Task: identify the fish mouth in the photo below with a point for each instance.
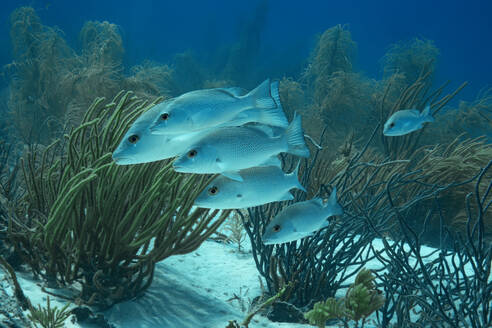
(122, 160)
(178, 168)
(200, 204)
(267, 240)
(390, 134)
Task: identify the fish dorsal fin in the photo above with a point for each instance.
(235, 91)
(319, 201)
(223, 91)
(426, 114)
(332, 203)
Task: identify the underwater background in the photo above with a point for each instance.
(285, 32)
(105, 239)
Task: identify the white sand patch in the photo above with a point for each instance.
(199, 289)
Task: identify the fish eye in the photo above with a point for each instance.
(213, 191)
(276, 228)
(392, 124)
(239, 195)
(133, 139)
(164, 116)
(192, 153)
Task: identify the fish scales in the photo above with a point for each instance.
(261, 185)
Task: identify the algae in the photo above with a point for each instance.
(361, 299)
(411, 58)
(51, 85)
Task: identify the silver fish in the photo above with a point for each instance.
(260, 185)
(407, 120)
(210, 108)
(228, 150)
(301, 219)
(140, 146)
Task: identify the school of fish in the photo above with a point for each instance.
(238, 135)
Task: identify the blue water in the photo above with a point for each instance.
(157, 30)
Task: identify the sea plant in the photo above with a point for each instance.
(334, 52)
(321, 264)
(11, 193)
(292, 96)
(411, 58)
(101, 225)
(267, 303)
(471, 117)
(234, 226)
(361, 300)
(337, 93)
(49, 317)
(42, 57)
(318, 266)
(51, 85)
(442, 287)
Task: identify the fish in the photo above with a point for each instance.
(301, 219)
(231, 149)
(260, 185)
(405, 121)
(220, 107)
(139, 146)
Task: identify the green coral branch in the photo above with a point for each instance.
(103, 225)
(361, 300)
(49, 317)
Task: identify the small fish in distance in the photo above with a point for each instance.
(140, 146)
(407, 120)
(231, 149)
(260, 185)
(301, 219)
(210, 108)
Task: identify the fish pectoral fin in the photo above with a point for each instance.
(267, 130)
(233, 175)
(287, 196)
(220, 164)
(241, 119)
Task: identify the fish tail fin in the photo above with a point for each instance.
(261, 96)
(294, 176)
(275, 94)
(427, 115)
(294, 134)
(332, 203)
(274, 116)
